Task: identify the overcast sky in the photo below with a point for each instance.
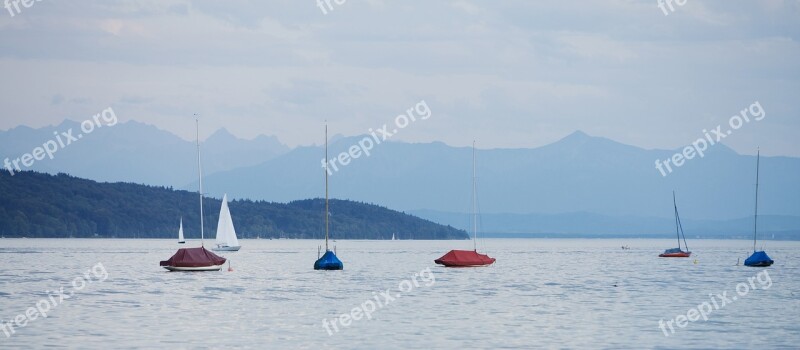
(507, 73)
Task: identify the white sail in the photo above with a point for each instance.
(226, 234)
(180, 233)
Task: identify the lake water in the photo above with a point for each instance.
(541, 293)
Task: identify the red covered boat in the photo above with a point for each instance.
(200, 258)
(194, 259)
(464, 258)
(468, 258)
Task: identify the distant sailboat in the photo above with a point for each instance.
(677, 252)
(226, 234)
(328, 261)
(759, 258)
(468, 258)
(393, 237)
(200, 258)
(180, 234)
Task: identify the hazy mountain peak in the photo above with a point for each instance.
(336, 138)
(19, 128)
(223, 134)
(123, 152)
(579, 138)
(578, 134)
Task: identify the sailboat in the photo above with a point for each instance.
(393, 237)
(759, 258)
(328, 261)
(180, 234)
(468, 258)
(226, 234)
(200, 258)
(677, 252)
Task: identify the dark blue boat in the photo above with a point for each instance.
(759, 258)
(328, 261)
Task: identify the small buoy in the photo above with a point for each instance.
(695, 261)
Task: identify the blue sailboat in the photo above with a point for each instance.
(759, 258)
(329, 260)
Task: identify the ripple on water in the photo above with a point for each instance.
(274, 298)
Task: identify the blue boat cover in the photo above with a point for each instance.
(673, 250)
(758, 259)
(328, 261)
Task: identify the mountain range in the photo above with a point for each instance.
(543, 189)
(138, 153)
(578, 174)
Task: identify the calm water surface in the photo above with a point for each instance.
(541, 293)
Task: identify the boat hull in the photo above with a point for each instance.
(227, 248)
(445, 264)
(193, 269)
(675, 255)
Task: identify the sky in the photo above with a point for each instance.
(509, 74)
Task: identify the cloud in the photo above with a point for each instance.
(512, 73)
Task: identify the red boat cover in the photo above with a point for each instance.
(464, 258)
(194, 257)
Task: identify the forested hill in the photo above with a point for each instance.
(41, 205)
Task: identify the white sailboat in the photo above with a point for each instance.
(226, 234)
(393, 237)
(180, 234)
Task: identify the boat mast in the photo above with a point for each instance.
(200, 174)
(755, 222)
(677, 223)
(474, 205)
(327, 213)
